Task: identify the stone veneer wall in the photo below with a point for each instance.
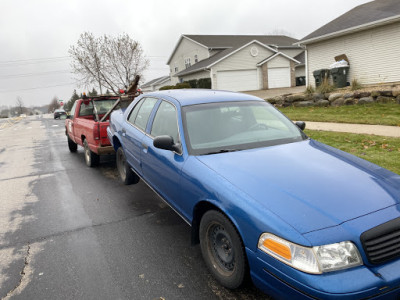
(336, 98)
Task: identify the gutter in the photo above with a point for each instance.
(354, 29)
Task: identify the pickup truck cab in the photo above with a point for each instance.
(83, 127)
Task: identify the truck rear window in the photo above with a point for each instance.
(102, 106)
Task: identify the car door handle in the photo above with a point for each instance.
(145, 147)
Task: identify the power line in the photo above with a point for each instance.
(39, 87)
(33, 74)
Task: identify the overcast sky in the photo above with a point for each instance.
(35, 35)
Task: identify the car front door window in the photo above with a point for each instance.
(165, 122)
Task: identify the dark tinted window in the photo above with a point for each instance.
(165, 122)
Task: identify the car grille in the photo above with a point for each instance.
(382, 243)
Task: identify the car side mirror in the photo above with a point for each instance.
(301, 125)
(166, 142)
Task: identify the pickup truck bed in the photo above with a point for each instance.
(83, 127)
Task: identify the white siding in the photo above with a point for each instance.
(374, 54)
(158, 86)
(241, 60)
(186, 49)
(279, 62)
(300, 71)
(198, 75)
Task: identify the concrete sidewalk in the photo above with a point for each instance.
(392, 131)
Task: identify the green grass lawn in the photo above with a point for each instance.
(375, 113)
(380, 150)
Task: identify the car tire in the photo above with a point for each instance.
(91, 158)
(223, 250)
(73, 147)
(125, 172)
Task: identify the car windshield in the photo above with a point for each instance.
(231, 126)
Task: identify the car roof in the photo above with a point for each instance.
(200, 96)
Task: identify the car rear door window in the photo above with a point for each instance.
(166, 122)
(143, 113)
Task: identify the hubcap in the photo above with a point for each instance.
(221, 246)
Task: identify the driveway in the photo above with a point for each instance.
(264, 94)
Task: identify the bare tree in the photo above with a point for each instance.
(108, 62)
(54, 104)
(19, 104)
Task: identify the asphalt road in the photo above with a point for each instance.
(72, 232)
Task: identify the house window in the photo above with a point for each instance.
(187, 63)
(196, 59)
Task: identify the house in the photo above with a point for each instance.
(236, 62)
(368, 35)
(155, 84)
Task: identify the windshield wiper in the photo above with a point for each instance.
(222, 151)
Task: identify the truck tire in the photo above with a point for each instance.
(125, 172)
(91, 158)
(71, 145)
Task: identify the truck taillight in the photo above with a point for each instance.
(96, 132)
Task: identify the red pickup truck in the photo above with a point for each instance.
(83, 127)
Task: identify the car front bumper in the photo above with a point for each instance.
(284, 282)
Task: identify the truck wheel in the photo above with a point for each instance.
(222, 249)
(125, 173)
(91, 158)
(71, 145)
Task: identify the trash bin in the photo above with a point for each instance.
(301, 80)
(339, 76)
(320, 75)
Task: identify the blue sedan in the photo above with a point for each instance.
(302, 219)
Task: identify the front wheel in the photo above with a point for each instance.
(125, 173)
(91, 158)
(72, 145)
(222, 249)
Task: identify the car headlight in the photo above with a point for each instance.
(314, 260)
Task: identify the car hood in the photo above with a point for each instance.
(308, 184)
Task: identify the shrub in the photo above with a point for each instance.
(325, 87)
(183, 85)
(167, 87)
(204, 83)
(355, 85)
(192, 83)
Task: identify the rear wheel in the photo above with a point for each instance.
(222, 249)
(125, 173)
(71, 145)
(91, 158)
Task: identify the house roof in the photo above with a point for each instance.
(155, 81)
(301, 58)
(209, 62)
(275, 55)
(361, 17)
(233, 41)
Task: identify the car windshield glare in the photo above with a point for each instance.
(231, 126)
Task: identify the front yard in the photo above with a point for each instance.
(374, 113)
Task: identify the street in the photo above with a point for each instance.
(72, 232)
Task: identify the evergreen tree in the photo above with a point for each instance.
(70, 103)
(93, 93)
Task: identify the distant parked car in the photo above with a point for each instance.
(59, 113)
(303, 219)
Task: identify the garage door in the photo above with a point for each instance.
(278, 77)
(244, 80)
